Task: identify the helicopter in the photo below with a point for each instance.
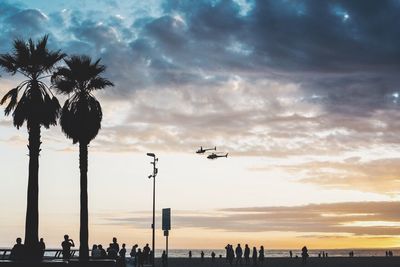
(214, 156)
(202, 150)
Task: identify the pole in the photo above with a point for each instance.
(166, 247)
(153, 225)
(154, 208)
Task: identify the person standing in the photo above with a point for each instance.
(133, 254)
(254, 256)
(115, 245)
(146, 253)
(246, 254)
(66, 247)
(304, 254)
(140, 258)
(213, 256)
(261, 254)
(202, 256)
(190, 254)
(164, 259)
(239, 254)
(122, 256)
(231, 254)
(42, 247)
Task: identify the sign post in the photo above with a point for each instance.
(166, 226)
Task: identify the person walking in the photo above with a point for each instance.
(239, 254)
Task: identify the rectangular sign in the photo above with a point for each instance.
(166, 219)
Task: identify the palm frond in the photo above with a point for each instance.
(13, 96)
(8, 63)
(98, 83)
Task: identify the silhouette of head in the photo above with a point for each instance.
(66, 237)
(41, 240)
(123, 245)
(19, 240)
(100, 247)
(114, 239)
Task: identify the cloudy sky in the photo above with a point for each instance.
(304, 95)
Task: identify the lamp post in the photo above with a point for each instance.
(153, 226)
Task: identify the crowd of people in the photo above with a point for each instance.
(244, 255)
(139, 256)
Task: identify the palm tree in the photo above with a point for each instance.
(33, 102)
(81, 121)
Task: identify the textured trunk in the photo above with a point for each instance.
(32, 211)
(84, 227)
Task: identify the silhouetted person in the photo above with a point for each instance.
(227, 253)
(140, 257)
(291, 254)
(164, 259)
(122, 256)
(254, 256)
(111, 252)
(261, 254)
(202, 255)
(133, 254)
(115, 245)
(246, 254)
(66, 247)
(231, 254)
(304, 254)
(146, 253)
(96, 253)
(239, 254)
(213, 256)
(190, 254)
(42, 247)
(103, 253)
(18, 251)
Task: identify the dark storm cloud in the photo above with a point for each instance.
(339, 218)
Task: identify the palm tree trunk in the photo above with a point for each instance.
(84, 227)
(32, 211)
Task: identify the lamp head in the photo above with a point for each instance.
(151, 155)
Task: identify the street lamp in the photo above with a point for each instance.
(153, 226)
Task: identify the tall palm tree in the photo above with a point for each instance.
(33, 102)
(81, 121)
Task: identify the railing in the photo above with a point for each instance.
(48, 253)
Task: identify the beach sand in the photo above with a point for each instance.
(287, 262)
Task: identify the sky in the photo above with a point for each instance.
(303, 95)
